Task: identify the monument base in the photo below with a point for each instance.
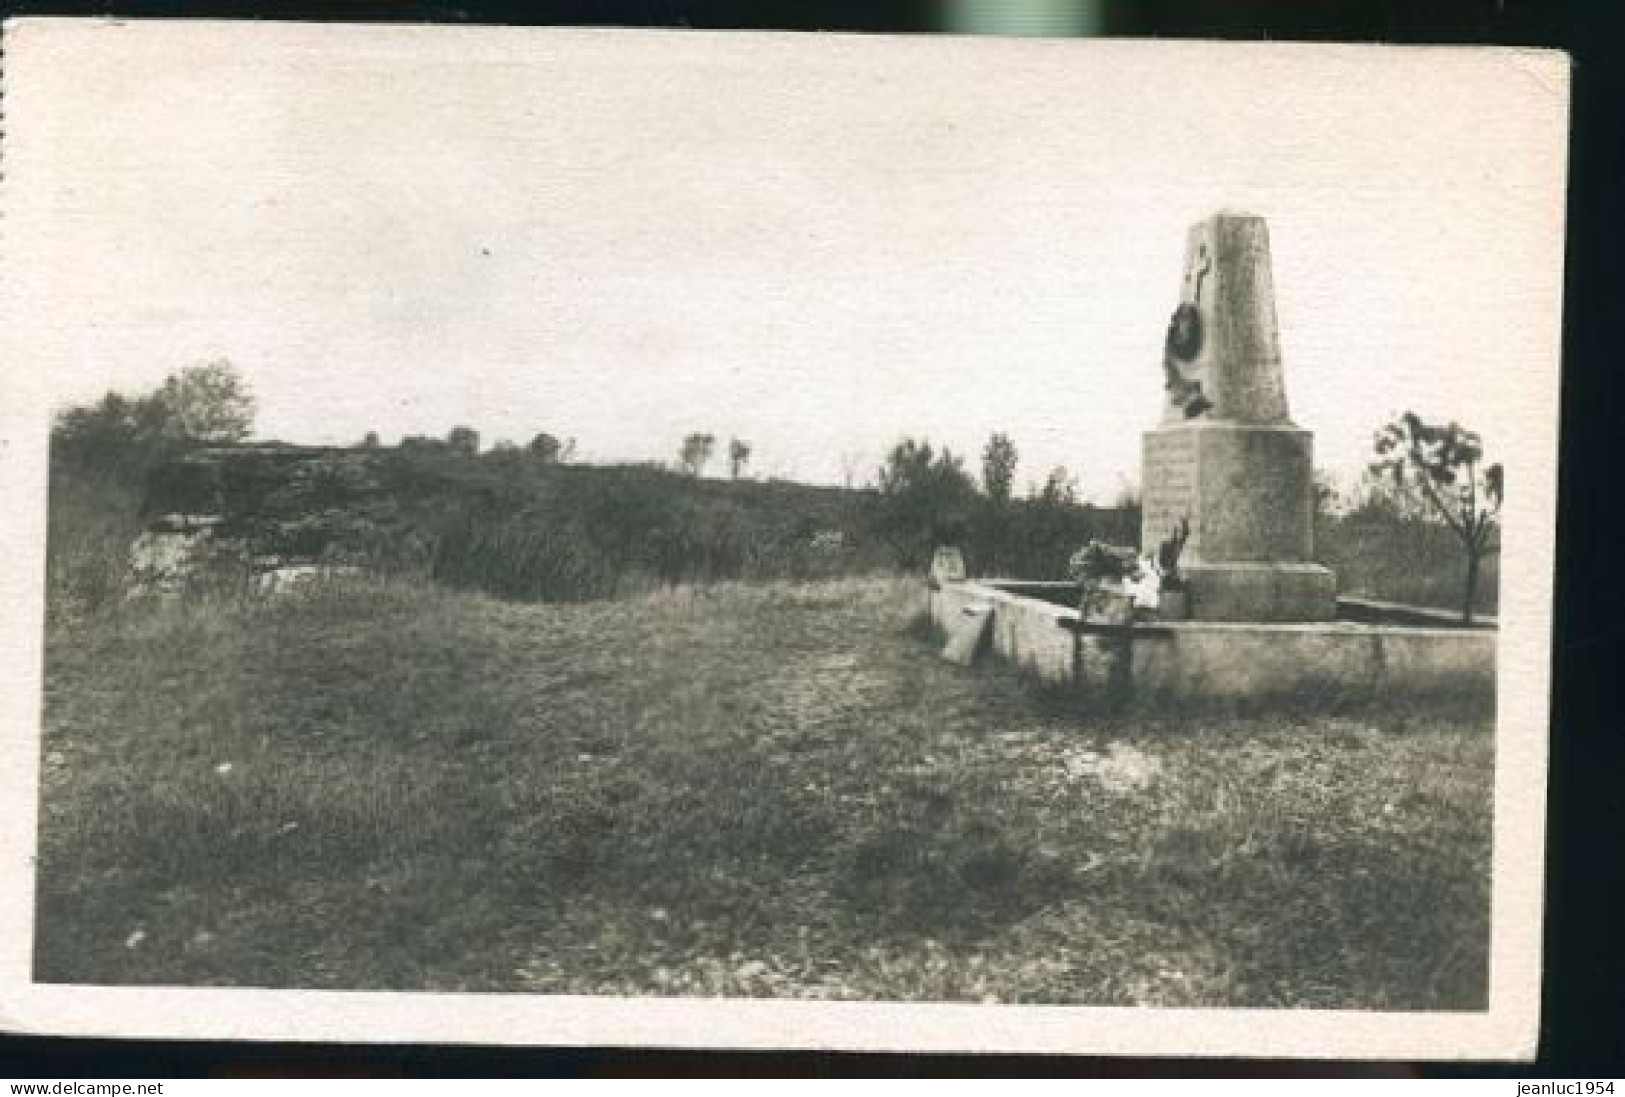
(1246, 489)
(1264, 591)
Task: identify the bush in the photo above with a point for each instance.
(530, 530)
(522, 558)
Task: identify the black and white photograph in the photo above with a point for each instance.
(770, 540)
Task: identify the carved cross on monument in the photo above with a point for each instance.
(1223, 358)
(1227, 458)
(1203, 265)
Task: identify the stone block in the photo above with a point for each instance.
(968, 631)
(947, 566)
(1261, 591)
(1247, 490)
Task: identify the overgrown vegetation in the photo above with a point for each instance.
(772, 789)
(526, 524)
(102, 456)
(520, 526)
(1378, 554)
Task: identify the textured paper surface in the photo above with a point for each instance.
(1014, 156)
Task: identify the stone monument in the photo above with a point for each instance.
(1226, 456)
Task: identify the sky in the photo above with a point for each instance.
(819, 244)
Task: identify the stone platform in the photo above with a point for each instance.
(1353, 660)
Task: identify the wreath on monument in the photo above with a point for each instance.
(1183, 344)
(1185, 332)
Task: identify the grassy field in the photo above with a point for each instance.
(771, 790)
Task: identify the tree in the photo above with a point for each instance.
(422, 443)
(545, 448)
(1060, 489)
(124, 436)
(505, 455)
(696, 452)
(465, 440)
(738, 456)
(927, 497)
(1444, 466)
(116, 435)
(370, 441)
(209, 404)
(999, 468)
(995, 516)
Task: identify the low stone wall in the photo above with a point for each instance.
(1030, 632)
(1335, 661)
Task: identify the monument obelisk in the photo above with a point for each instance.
(1227, 457)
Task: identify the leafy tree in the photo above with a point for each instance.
(422, 443)
(545, 448)
(465, 440)
(506, 456)
(370, 441)
(208, 404)
(110, 435)
(123, 436)
(995, 517)
(738, 456)
(999, 468)
(926, 496)
(1444, 466)
(1060, 489)
(696, 452)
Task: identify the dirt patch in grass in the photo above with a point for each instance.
(768, 790)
